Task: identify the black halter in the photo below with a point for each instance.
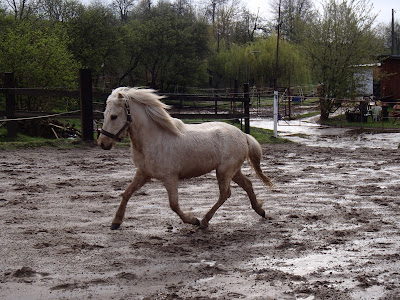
(127, 123)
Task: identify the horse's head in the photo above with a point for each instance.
(117, 118)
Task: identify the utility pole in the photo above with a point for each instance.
(277, 48)
(392, 31)
(276, 74)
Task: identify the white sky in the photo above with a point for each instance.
(382, 7)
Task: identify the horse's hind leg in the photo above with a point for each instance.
(224, 182)
(138, 181)
(246, 184)
(172, 188)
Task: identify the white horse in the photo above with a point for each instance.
(166, 149)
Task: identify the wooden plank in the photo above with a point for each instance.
(40, 92)
(246, 108)
(86, 100)
(99, 115)
(104, 95)
(12, 126)
(185, 97)
(210, 116)
(29, 114)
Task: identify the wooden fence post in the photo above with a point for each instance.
(246, 108)
(86, 99)
(12, 128)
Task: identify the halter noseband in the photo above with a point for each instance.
(127, 123)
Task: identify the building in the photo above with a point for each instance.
(389, 76)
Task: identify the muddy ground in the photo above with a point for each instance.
(333, 232)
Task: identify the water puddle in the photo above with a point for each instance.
(308, 132)
(302, 266)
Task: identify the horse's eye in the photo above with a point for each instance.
(113, 117)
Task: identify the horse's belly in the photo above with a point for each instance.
(194, 172)
(198, 161)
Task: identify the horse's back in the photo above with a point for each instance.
(199, 149)
(205, 147)
(215, 135)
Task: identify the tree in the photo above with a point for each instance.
(230, 22)
(258, 61)
(343, 37)
(22, 9)
(294, 15)
(173, 47)
(386, 31)
(39, 57)
(123, 7)
(245, 27)
(96, 40)
(60, 10)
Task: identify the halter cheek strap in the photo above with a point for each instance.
(126, 125)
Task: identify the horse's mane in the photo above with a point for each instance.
(154, 108)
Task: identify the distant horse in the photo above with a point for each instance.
(166, 149)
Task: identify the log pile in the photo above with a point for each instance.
(48, 128)
(62, 131)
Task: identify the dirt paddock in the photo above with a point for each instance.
(333, 230)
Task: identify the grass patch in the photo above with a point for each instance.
(25, 141)
(340, 121)
(265, 136)
(307, 115)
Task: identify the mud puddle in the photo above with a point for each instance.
(308, 132)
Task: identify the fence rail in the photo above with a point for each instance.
(40, 92)
(87, 114)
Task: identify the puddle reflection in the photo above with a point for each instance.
(308, 132)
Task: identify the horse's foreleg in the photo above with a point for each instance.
(138, 181)
(224, 193)
(246, 184)
(172, 189)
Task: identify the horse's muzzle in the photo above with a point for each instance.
(104, 142)
(104, 147)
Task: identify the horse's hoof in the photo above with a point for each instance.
(203, 225)
(260, 212)
(115, 226)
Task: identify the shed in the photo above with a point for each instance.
(364, 76)
(389, 75)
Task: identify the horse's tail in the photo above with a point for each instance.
(255, 153)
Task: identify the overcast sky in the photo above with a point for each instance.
(382, 7)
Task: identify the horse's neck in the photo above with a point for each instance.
(142, 130)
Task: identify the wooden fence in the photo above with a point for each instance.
(86, 96)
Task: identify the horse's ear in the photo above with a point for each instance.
(120, 96)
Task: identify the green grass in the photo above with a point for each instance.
(340, 121)
(307, 115)
(25, 141)
(263, 136)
